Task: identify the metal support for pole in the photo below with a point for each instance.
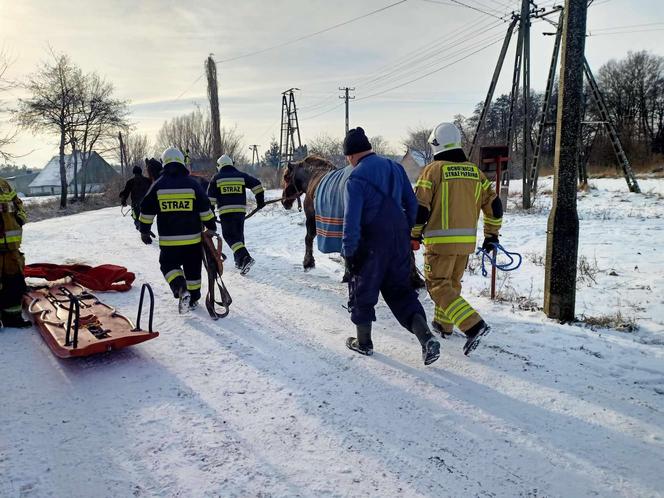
(534, 168)
(618, 150)
(525, 21)
(492, 86)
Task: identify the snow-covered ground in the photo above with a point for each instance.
(269, 402)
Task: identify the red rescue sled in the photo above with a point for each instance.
(74, 322)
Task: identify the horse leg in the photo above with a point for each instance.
(309, 261)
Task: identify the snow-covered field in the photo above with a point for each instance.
(269, 402)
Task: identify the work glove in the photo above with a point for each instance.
(415, 245)
(123, 203)
(489, 243)
(146, 238)
(260, 201)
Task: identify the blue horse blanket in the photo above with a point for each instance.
(329, 206)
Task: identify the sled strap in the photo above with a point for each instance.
(140, 309)
(74, 309)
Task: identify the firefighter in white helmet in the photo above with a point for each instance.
(228, 193)
(451, 192)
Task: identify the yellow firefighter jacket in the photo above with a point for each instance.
(454, 193)
(12, 217)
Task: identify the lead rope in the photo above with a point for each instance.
(507, 266)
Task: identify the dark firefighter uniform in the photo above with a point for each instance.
(181, 206)
(136, 188)
(228, 194)
(12, 262)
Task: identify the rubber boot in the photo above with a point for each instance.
(430, 346)
(362, 343)
(474, 335)
(15, 320)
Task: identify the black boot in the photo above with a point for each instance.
(475, 334)
(362, 343)
(184, 300)
(246, 265)
(15, 320)
(437, 327)
(430, 346)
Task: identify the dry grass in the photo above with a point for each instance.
(51, 209)
(616, 321)
(506, 293)
(586, 271)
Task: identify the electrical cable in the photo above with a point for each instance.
(310, 35)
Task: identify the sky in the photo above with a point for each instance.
(153, 52)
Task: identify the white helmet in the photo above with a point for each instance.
(172, 155)
(444, 137)
(224, 160)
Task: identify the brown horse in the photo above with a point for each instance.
(302, 178)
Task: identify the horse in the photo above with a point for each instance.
(302, 178)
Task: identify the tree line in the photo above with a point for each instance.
(81, 110)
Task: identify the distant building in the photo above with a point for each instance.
(413, 163)
(21, 183)
(98, 174)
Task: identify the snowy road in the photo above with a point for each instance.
(269, 402)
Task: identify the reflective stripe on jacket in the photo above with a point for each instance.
(454, 194)
(12, 218)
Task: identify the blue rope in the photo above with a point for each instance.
(508, 266)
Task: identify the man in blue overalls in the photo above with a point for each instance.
(380, 210)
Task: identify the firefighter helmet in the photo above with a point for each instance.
(172, 155)
(444, 137)
(224, 160)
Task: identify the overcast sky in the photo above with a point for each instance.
(153, 52)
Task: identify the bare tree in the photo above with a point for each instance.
(98, 115)
(418, 142)
(138, 147)
(381, 146)
(6, 138)
(54, 90)
(328, 147)
(193, 132)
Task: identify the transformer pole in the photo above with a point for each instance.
(563, 226)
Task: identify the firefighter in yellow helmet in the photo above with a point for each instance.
(12, 282)
(451, 192)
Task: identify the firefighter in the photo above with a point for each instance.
(12, 261)
(451, 191)
(136, 188)
(380, 210)
(228, 193)
(180, 205)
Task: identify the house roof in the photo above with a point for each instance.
(50, 175)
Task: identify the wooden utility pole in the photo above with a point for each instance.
(213, 97)
(123, 157)
(346, 98)
(563, 227)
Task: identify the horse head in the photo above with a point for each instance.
(290, 183)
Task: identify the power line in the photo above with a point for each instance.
(432, 72)
(310, 35)
(609, 28)
(464, 5)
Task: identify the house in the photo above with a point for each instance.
(20, 183)
(98, 174)
(413, 163)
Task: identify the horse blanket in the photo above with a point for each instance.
(329, 206)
